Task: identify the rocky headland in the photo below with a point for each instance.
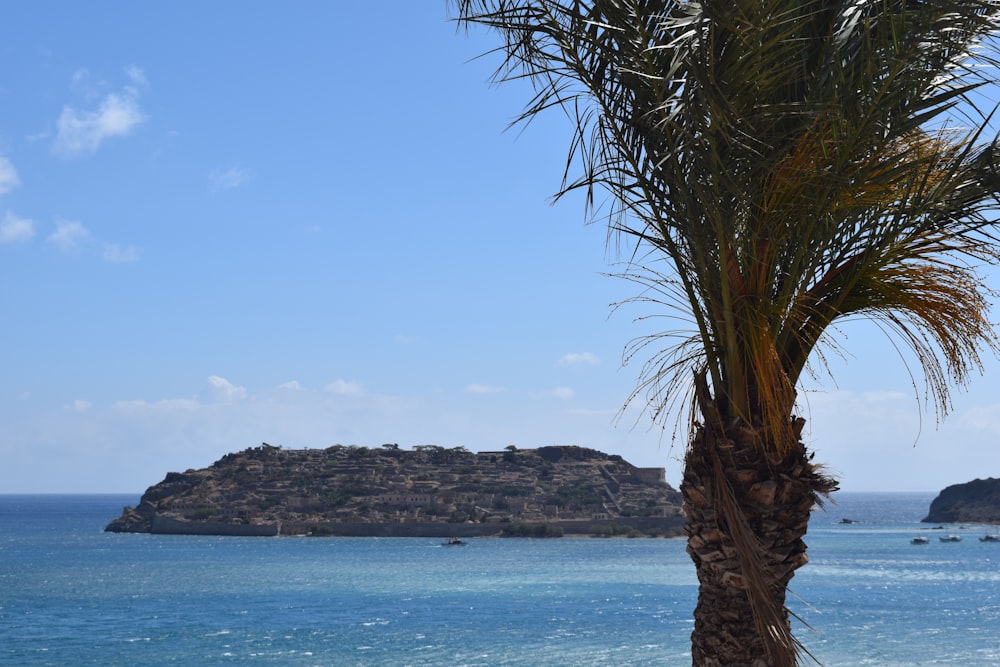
(427, 491)
(977, 501)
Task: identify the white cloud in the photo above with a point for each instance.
(224, 390)
(8, 176)
(14, 228)
(344, 388)
(227, 179)
(576, 358)
(564, 393)
(80, 131)
(293, 385)
(116, 254)
(483, 389)
(69, 235)
(81, 406)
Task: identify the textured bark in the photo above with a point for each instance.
(773, 497)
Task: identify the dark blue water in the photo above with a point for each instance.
(73, 595)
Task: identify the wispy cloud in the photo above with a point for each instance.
(227, 179)
(175, 405)
(14, 229)
(292, 385)
(344, 388)
(8, 176)
(484, 389)
(577, 358)
(136, 76)
(981, 419)
(81, 131)
(592, 412)
(70, 235)
(128, 444)
(37, 136)
(564, 393)
(117, 254)
(221, 389)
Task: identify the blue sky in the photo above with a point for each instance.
(227, 223)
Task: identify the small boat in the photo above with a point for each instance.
(920, 539)
(950, 538)
(990, 538)
(453, 542)
(849, 521)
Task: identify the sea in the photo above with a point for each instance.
(71, 594)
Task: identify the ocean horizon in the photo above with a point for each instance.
(72, 594)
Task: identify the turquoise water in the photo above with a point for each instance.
(73, 595)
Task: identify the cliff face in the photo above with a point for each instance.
(390, 491)
(977, 501)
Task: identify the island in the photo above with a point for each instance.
(429, 491)
(977, 501)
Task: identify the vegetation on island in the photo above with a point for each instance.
(430, 490)
(770, 169)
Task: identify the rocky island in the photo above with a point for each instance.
(427, 491)
(977, 501)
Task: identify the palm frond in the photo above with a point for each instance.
(778, 166)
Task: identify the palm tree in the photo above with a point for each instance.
(771, 167)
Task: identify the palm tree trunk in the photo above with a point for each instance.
(747, 510)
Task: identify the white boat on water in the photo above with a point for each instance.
(920, 539)
(950, 538)
(989, 537)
